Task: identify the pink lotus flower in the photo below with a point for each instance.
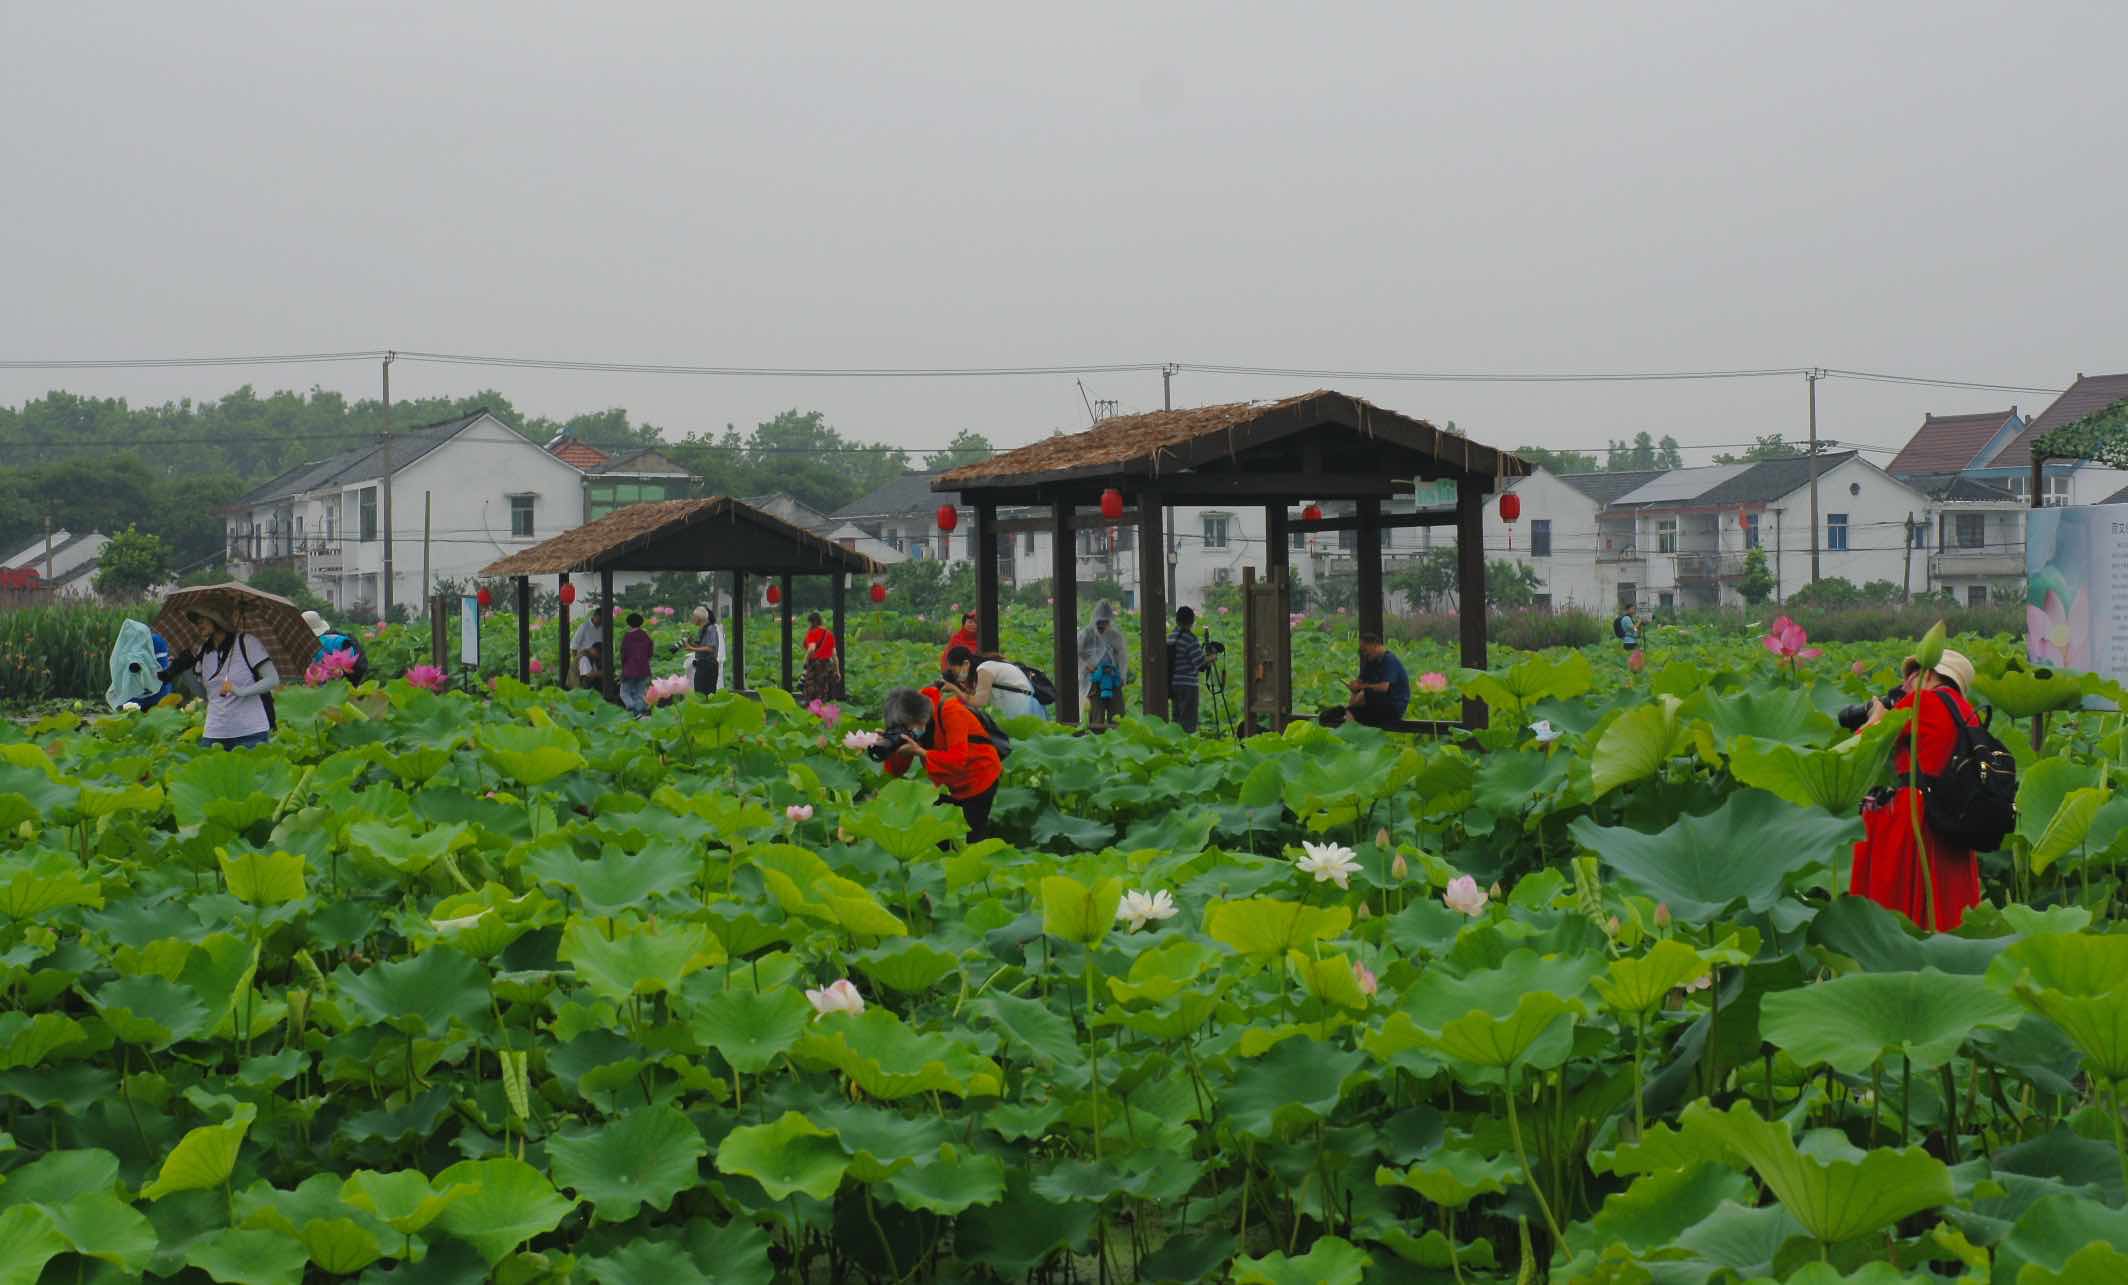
(828, 714)
(1399, 867)
(1433, 682)
(836, 997)
(955, 609)
(799, 812)
(1222, 611)
(860, 741)
(1464, 896)
(538, 666)
(332, 665)
(2058, 633)
(1700, 985)
(1368, 982)
(662, 611)
(671, 687)
(1859, 668)
(429, 677)
(1637, 661)
(1662, 914)
(1790, 643)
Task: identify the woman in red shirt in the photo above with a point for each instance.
(1887, 866)
(967, 636)
(823, 672)
(948, 739)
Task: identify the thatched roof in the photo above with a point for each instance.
(714, 534)
(1259, 438)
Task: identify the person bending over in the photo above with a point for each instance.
(936, 730)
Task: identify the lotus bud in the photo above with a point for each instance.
(1611, 927)
(1399, 868)
(1494, 892)
(1662, 914)
(26, 831)
(1381, 837)
(1363, 912)
(298, 1012)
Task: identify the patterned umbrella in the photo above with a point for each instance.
(273, 620)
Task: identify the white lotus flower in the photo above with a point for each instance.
(860, 741)
(1139, 908)
(1329, 862)
(1543, 730)
(836, 997)
(131, 707)
(1465, 896)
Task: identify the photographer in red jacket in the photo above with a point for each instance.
(948, 739)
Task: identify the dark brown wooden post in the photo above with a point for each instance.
(738, 631)
(1278, 541)
(838, 592)
(524, 629)
(986, 576)
(1064, 616)
(1370, 515)
(566, 675)
(1152, 606)
(786, 585)
(1470, 585)
(612, 666)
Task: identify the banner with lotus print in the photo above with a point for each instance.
(2076, 588)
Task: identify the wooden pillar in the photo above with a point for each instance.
(738, 631)
(1152, 605)
(566, 673)
(786, 585)
(1064, 616)
(1470, 584)
(613, 662)
(1370, 515)
(986, 576)
(524, 629)
(838, 591)
(1278, 541)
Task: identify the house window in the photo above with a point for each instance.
(1542, 602)
(1751, 530)
(1027, 544)
(1215, 530)
(1920, 534)
(1976, 595)
(1972, 530)
(521, 517)
(1836, 532)
(2057, 491)
(1666, 536)
(1123, 538)
(1665, 601)
(1540, 537)
(1298, 539)
(1628, 593)
(369, 513)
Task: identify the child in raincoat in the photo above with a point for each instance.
(138, 663)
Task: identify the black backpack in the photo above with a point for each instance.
(1618, 626)
(995, 736)
(1043, 690)
(1972, 803)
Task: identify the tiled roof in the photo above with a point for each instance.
(581, 455)
(909, 493)
(1948, 443)
(359, 464)
(1772, 479)
(1606, 487)
(2089, 394)
(644, 461)
(607, 542)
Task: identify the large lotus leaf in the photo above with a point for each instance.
(27, 1040)
(911, 966)
(2091, 1263)
(616, 881)
(1083, 833)
(722, 720)
(235, 791)
(1561, 676)
(1637, 744)
(2021, 693)
(890, 1061)
(1159, 974)
(1331, 1261)
(880, 1142)
(2053, 1231)
(1744, 850)
(404, 850)
(1851, 1023)
(1267, 927)
(28, 1240)
(2079, 982)
(1328, 978)
(646, 1262)
(728, 818)
(1659, 1207)
(1855, 1194)
(1023, 1229)
(1741, 1237)
(1071, 911)
(647, 1156)
(511, 1203)
(59, 1176)
(1452, 1177)
(639, 958)
(751, 1030)
(38, 885)
(237, 1257)
(531, 756)
(905, 819)
(151, 1012)
(1884, 941)
(33, 796)
(957, 1180)
(98, 801)
(404, 1201)
(1832, 779)
(1637, 985)
(2043, 787)
(792, 1154)
(204, 1157)
(264, 878)
(1498, 992)
(2067, 828)
(484, 923)
(1029, 1026)
(1294, 1086)
(419, 996)
(1780, 714)
(97, 1224)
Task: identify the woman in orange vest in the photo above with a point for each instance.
(947, 738)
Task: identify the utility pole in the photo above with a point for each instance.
(1906, 590)
(1167, 402)
(387, 483)
(1811, 377)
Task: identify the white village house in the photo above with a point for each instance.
(65, 562)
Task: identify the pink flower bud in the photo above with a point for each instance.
(1399, 868)
(1662, 914)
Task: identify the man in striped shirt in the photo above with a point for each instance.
(1185, 661)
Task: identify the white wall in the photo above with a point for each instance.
(1569, 574)
(2095, 483)
(1875, 536)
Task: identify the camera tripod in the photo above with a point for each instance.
(1213, 682)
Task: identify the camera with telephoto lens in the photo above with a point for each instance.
(1852, 717)
(890, 742)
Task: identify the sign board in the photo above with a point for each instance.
(1437, 494)
(2076, 588)
(469, 631)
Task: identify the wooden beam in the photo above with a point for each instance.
(986, 576)
(524, 629)
(612, 666)
(1470, 588)
(838, 592)
(1080, 522)
(737, 659)
(1278, 544)
(1152, 606)
(1064, 615)
(1370, 569)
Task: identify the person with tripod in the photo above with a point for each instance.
(1185, 661)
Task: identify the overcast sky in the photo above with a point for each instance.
(1918, 187)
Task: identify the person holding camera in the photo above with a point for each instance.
(707, 648)
(935, 729)
(1104, 668)
(1887, 864)
(989, 681)
(1185, 662)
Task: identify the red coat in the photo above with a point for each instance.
(961, 638)
(1887, 867)
(963, 768)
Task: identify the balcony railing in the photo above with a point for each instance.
(1982, 560)
(1702, 567)
(1627, 553)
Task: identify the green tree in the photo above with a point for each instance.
(1428, 581)
(1643, 453)
(290, 584)
(1756, 584)
(967, 447)
(1770, 446)
(1560, 461)
(1832, 591)
(132, 562)
(1511, 586)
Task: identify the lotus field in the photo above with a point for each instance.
(509, 986)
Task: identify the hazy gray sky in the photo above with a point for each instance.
(1917, 187)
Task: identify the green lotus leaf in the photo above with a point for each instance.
(1834, 1200)
(1329, 979)
(791, 1155)
(890, 1061)
(646, 1156)
(639, 958)
(233, 791)
(1885, 941)
(1784, 715)
(954, 1182)
(1851, 1023)
(2067, 828)
(2043, 786)
(34, 795)
(28, 1240)
(37, 886)
(905, 819)
(1659, 1207)
(404, 1201)
(424, 995)
(59, 1176)
(2025, 693)
(2058, 1230)
(750, 1030)
(615, 882)
(484, 923)
(1637, 985)
(27, 1041)
(204, 1157)
(911, 966)
(1637, 744)
(1030, 1027)
(2079, 982)
(405, 850)
(1697, 865)
(97, 1224)
(238, 1257)
(1013, 1235)
(98, 802)
(1833, 780)
(723, 720)
(1071, 911)
(264, 878)
(1453, 1177)
(1266, 927)
(531, 756)
(1332, 1261)
(1294, 1086)
(511, 1203)
(646, 1262)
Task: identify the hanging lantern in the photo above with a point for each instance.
(1313, 513)
(879, 592)
(568, 594)
(1510, 507)
(775, 594)
(484, 598)
(948, 517)
(1112, 504)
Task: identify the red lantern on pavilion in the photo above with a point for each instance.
(879, 592)
(775, 594)
(1510, 507)
(484, 598)
(1112, 504)
(948, 517)
(1313, 513)
(568, 594)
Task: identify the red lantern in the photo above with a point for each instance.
(1313, 513)
(775, 594)
(1112, 503)
(568, 594)
(879, 592)
(484, 598)
(948, 517)
(1510, 507)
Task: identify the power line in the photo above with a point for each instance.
(152, 363)
(1489, 377)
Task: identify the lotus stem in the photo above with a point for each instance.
(1514, 1127)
